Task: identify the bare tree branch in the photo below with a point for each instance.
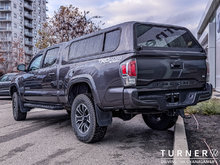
(66, 24)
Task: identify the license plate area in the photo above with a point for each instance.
(173, 98)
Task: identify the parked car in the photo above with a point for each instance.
(5, 82)
(128, 69)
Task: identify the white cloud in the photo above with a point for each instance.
(180, 12)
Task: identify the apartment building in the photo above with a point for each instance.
(209, 36)
(20, 20)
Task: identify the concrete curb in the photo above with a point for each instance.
(180, 144)
(216, 95)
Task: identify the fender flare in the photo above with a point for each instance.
(23, 109)
(85, 78)
(16, 86)
(103, 118)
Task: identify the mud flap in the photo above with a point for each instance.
(103, 118)
(182, 114)
(22, 108)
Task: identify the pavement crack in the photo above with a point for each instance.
(14, 152)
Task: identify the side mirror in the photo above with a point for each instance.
(21, 67)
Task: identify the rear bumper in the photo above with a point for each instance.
(165, 100)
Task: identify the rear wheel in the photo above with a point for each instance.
(84, 121)
(17, 114)
(159, 121)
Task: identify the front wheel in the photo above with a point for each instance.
(84, 120)
(17, 114)
(159, 121)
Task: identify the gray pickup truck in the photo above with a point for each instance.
(132, 68)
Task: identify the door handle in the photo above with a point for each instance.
(176, 65)
(51, 74)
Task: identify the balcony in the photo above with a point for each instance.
(28, 34)
(5, 18)
(29, 43)
(29, 52)
(5, 49)
(28, 25)
(27, 6)
(5, 39)
(5, 28)
(5, 8)
(27, 15)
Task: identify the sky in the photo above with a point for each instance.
(178, 12)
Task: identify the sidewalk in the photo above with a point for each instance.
(216, 95)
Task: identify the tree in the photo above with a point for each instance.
(11, 56)
(5, 48)
(1, 60)
(18, 54)
(66, 24)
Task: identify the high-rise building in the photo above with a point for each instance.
(209, 36)
(20, 20)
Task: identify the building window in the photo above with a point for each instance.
(15, 25)
(15, 6)
(15, 15)
(15, 35)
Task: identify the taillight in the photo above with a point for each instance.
(123, 69)
(129, 72)
(132, 68)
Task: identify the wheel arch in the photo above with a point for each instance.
(13, 88)
(80, 85)
(86, 84)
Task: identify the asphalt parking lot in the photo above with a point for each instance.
(46, 137)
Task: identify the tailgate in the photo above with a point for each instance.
(170, 72)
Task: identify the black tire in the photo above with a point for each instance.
(159, 121)
(17, 114)
(84, 121)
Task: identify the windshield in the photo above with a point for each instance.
(4, 78)
(10, 77)
(164, 37)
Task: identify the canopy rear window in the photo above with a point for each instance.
(151, 36)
